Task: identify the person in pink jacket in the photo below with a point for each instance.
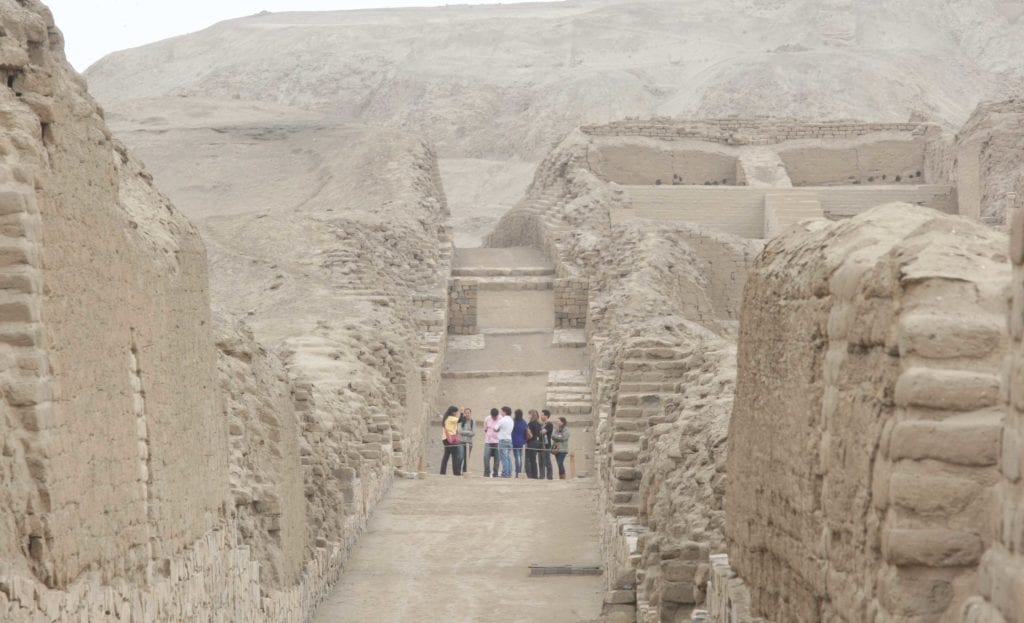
(491, 445)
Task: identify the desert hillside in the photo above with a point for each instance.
(493, 87)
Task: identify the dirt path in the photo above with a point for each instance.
(456, 549)
(459, 549)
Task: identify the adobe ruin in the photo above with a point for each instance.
(792, 404)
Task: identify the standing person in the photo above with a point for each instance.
(491, 444)
(518, 439)
(534, 430)
(560, 445)
(545, 441)
(467, 429)
(504, 428)
(450, 440)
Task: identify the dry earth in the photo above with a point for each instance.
(493, 87)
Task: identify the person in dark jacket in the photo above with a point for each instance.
(518, 440)
(545, 470)
(534, 430)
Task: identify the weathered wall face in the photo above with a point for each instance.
(99, 360)
(662, 301)
(654, 163)
(266, 476)
(1001, 575)
(988, 160)
(864, 437)
(147, 471)
(881, 162)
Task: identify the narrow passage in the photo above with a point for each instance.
(459, 549)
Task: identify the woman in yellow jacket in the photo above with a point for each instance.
(450, 440)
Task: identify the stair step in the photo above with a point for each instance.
(514, 283)
(485, 271)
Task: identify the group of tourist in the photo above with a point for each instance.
(510, 441)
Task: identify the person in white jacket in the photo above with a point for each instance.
(504, 428)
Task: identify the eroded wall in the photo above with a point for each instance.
(109, 322)
(662, 301)
(154, 465)
(864, 438)
(988, 159)
(1000, 596)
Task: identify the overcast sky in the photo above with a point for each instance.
(94, 29)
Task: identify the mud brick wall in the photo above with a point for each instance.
(93, 370)
(1001, 581)
(865, 434)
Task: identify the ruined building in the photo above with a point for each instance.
(797, 352)
(855, 476)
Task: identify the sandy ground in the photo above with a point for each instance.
(515, 309)
(474, 541)
(517, 351)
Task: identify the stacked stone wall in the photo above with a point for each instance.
(863, 441)
(462, 306)
(661, 460)
(571, 303)
(266, 476)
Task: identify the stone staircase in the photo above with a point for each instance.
(649, 374)
(785, 208)
(519, 278)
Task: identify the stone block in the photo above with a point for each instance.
(932, 493)
(620, 597)
(937, 336)
(678, 592)
(679, 570)
(950, 390)
(972, 441)
(931, 547)
(12, 202)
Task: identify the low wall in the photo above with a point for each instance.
(751, 131)
(740, 210)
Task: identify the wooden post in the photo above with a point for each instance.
(572, 466)
(419, 470)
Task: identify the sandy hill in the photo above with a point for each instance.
(494, 86)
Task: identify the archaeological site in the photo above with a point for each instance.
(763, 259)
